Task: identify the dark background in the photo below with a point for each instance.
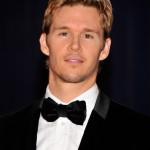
(125, 75)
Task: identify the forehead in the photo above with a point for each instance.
(77, 15)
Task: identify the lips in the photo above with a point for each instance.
(74, 59)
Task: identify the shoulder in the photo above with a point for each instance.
(20, 114)
(122, 111)
(17, 126)
(123, 116)
(107, 108)
(134, 123)
(116, 109)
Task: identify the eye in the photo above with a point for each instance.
(88, 36)
(64, 34)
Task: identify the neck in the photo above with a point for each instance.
(68, 91)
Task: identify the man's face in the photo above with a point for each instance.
(75, 44)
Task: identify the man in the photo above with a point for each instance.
(74, 113)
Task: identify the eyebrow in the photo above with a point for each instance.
(84, 29)
(60, 28)
(91, 30)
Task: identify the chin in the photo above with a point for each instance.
(73, 79)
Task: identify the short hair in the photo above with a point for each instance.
(104, 8)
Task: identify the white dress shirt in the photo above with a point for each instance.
(62, 134)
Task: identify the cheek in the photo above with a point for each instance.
(93, 57)
(54, 48)
(55, 56)
(93, 47)
(99, 42)
(58, 43)
(57, 49)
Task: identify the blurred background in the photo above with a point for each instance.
(125, 75)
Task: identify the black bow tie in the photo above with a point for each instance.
(75, 111)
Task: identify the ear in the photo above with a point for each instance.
(105, 51)
(43, 44)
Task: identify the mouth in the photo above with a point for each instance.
(74, 59)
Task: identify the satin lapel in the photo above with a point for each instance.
(102, 105)
(94, 131)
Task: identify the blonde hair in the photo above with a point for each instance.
(104, 8)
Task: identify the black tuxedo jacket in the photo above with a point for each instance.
(110, 127)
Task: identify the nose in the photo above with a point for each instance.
(75, 43)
